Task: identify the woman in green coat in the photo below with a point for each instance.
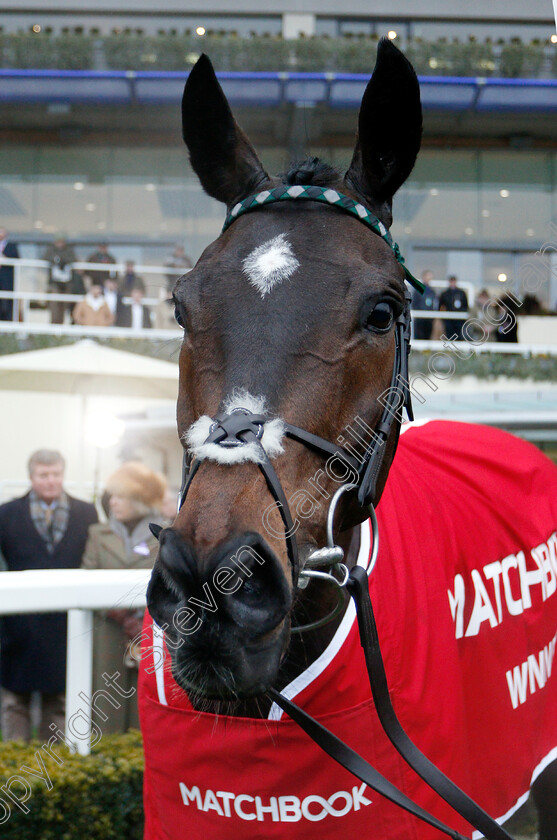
(124, 542)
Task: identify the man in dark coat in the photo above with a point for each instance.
(101, 255)
(9, 250)
(61, 255)
(45, 529)
(130, 280)
(426, 300)
(135, 315)
(453, 299)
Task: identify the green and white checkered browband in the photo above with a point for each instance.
(326, 196)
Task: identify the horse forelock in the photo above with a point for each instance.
(313, 171)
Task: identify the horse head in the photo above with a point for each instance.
(289, 322)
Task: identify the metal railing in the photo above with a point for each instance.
(40, 277)
(78, 592)
(77, 331)
(522, 349)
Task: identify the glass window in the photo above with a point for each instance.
(242, 25)
(515, 197)
(507, 167)
(536, 273)
(356, 27)
(498, 275)
(517, 215)
(326, 26)
(429, 259)
(449, 214)
(149, 24)
(462, 30)
(436, 167)
(497, 203)
(383, 27)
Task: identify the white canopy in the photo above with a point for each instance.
(88, 368)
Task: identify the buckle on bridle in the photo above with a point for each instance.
(232, 426)
(332, 556)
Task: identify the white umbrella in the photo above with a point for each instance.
(88, 369)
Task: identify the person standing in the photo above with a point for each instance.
(453, 299)
(60, 255)
(45, 529)
(177, 259)
(135, 315)
(135, 495)
(8, 250)
(101, 255)
(130, 280)
(507, 329)
(426, 300)
(93, 310)
(112, 297)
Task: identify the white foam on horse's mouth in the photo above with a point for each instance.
(270, 263)
(271, 441)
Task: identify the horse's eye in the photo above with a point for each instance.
(381, 318)
(179, 317)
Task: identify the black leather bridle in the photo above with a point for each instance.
(242, 426)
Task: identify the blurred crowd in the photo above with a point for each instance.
(108, 298)
(501, 325)
(112, 299)
(104, 293)
(47, 528)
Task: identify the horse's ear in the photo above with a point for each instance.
(221, 155)
(389, 129)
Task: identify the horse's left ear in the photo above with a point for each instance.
(389, 130)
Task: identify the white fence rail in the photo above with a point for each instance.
(77, 331)
(520, 349)
(77, 592)
(35, 274)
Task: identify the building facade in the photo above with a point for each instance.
(109, 164)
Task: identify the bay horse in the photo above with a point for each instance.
(292, 382)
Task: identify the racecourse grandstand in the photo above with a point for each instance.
(90, 133)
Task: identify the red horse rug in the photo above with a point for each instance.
(464, 592)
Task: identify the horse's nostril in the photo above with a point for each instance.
(178, 560)
(256, 594)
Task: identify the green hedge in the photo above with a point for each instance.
(442, 58)
(520, 61)
(41, 51)
(180, 52)
(316, 54)
(482, 365)
(167, 349)
(97, 796)
(129, 51)
(492, 365)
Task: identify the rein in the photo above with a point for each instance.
(241, 426)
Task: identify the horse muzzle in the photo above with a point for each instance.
(225, 618)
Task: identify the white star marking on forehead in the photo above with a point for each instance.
(270, 263)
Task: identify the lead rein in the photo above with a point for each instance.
(358, 586)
